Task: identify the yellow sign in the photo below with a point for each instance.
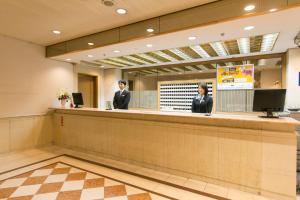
(236, 77)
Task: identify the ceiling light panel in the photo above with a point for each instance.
(244, 45)
(136, 59)
(112, 63)
(219, 48)
(181, 54)
(166, 56)
(200, 51)
(145, 56)
(268, 42)
(118, 60)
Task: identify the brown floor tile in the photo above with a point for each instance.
(6, 192)
(50, 187)
(69, 195)
(21, 198)
(35, 180)
(93, 183)
(25, 175)
(142, 196)
(114, 191)
(76, 176)
(61, 170)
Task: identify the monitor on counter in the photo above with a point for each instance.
(269, 101)
(77, 99)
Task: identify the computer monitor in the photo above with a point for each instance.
(77, 99)
(269, 101)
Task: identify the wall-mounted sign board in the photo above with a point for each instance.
(236, 77)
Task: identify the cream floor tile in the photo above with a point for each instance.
(193, 196)
(157, 197)
(47, 196)
(72, 185)
(216, 190)
(178, 180)
(238, 195)
(93, 193)
(195, 184)
(169, 191)
(26, 190)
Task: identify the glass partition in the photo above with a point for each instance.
(145, 91)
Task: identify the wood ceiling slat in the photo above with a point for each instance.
(206, 47)
(190, 52)
(118, 62)
(160, 58)
(196, 67)
(232, 47)
(255, 43)
(132, 61)
(114, 64)
(144, 59)
(170, 53)
(209, 66)
(186, 69)
(175, 70)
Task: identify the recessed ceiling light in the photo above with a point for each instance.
(91, 43)
(192, 38)
(56, 32)
(68, 59)
(150, 30)
(90, 56)
(249, 7)
(273, 10)
(116, 51)
(102, 66)
(149, 45)
(121, 11)
(248, 28)
(180, 73)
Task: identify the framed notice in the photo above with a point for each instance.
(236, 77)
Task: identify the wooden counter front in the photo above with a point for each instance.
(243, 151)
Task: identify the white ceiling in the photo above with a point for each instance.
(34, 20)
(283, 22)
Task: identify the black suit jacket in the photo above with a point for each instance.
(121, 101)
(205, 106)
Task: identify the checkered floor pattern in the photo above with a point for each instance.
(64, 182)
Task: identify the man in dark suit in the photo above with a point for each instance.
(122, 97)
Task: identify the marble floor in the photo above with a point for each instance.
(48, 174)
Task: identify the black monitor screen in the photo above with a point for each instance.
(77, 99)
(269, 100)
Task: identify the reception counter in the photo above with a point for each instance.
(242, 151)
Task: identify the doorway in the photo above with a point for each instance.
(88, 86)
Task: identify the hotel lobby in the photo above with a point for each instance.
(149, 100)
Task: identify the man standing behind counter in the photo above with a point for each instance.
(122, 97)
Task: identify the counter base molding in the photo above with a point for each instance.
(257, 159)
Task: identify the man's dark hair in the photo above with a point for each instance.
(122, 81)
(204, 87)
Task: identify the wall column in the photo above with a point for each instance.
(292, 78)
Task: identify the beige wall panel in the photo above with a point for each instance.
(30, 82)
(4, 136)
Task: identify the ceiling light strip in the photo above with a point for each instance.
(136, 59)
(199, 50)
(268, 42)
(119, 60)
(219, 48)
(166, 56)
(181, 54)
(244, 45)
(113, 63)
(149, 58)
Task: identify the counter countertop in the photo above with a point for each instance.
(247, 120)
